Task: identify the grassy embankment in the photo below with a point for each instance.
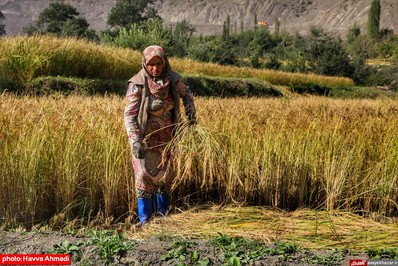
(24, 59)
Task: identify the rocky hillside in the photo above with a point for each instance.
(208, 16)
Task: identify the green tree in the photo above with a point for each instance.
(374, 19)
(326, 55)
(386, 48)
(273, 63)
(385, 34)
(360, 50)
(127, 12)
(243, 41)
(78, 27)
(181, 38)
(353, 33)
(199, 49)
(2, 26)
(74, 26)
(61, 20)
(290, 49)
(255, 45)
(139, 36)
(226, 28)
(277, 26)
(221, 51)
(255, 53)
(52, 18)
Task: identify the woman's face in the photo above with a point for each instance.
(155, 66)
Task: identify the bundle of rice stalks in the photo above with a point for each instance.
(198, 160)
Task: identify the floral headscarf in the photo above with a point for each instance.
(152, 51)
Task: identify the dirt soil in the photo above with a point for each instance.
(141, 252)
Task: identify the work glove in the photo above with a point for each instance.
(138, 150)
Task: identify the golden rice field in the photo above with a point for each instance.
(24, 58)
(68, 157)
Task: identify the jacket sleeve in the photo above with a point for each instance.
(187, 100)
(133, 101)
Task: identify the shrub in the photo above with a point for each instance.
(230, 87)
(48, 85)
(326, 55)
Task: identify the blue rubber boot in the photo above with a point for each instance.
(144, 209)
(162, 203)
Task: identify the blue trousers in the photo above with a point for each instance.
(146, 206)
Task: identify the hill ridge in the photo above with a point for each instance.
(208, 16)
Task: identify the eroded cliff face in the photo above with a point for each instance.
(20, 13)
(293, 15)
(208, 16)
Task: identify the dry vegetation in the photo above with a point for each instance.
(308, 228)
(24, 58)
(68, 157)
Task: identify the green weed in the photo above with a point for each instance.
(111, 244)
(180, 254)
(329, 258)
(383, 253)
(239, 251)
(65, 247)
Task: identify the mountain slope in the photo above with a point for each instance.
(208, 16)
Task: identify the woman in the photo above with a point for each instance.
(152, 111)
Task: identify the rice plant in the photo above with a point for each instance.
(23, 58)
(70, 156)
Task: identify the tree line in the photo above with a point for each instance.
(135, 24)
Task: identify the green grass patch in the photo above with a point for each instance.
(230, 87)
(66, 86)
(383, 253)
(110, 244)
(65, 247)
(200, 86)
(343, 92)
(356, 92)
(9, 85)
